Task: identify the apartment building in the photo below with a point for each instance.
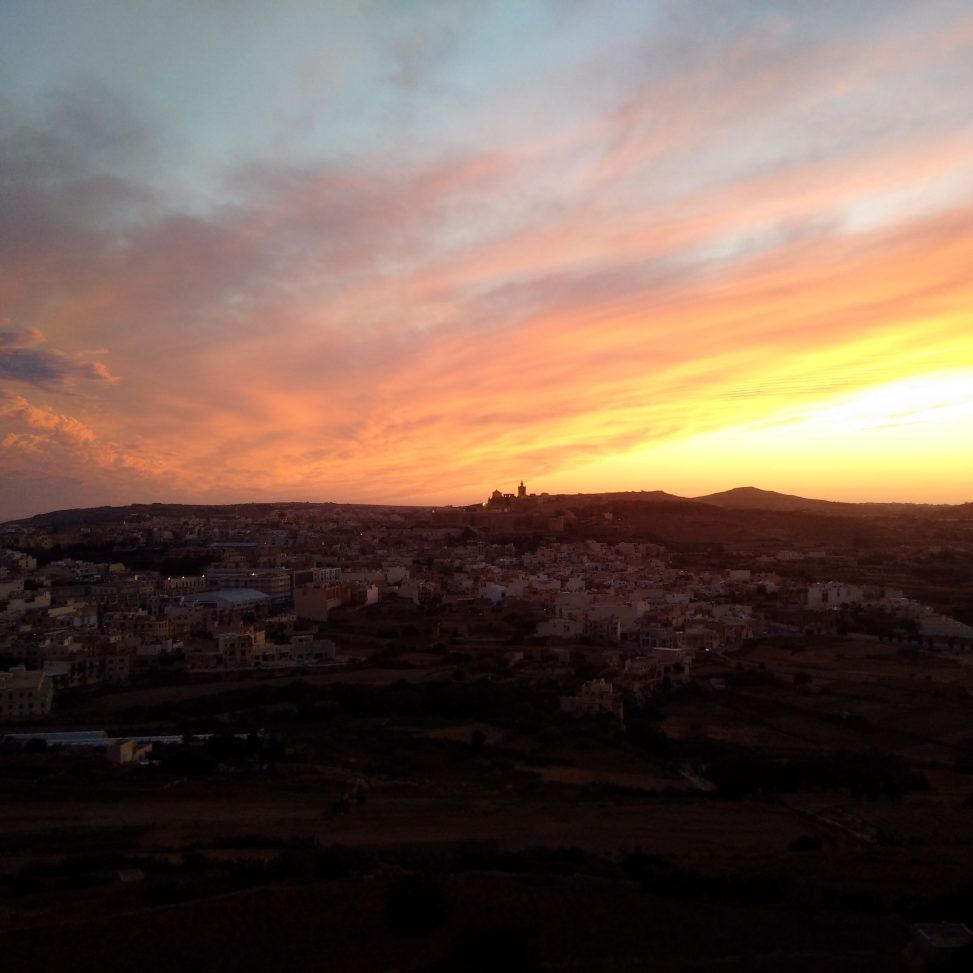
(24, 694)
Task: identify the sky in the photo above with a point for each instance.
(411, 252)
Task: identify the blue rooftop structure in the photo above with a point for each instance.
(229, 598)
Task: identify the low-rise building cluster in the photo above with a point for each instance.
(258, 587)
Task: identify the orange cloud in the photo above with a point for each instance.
(63, 426)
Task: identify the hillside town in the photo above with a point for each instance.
(523, 585)
(693, 729)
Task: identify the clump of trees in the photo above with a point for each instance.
(221, 749)
(869, 776)
(738, 772)
(416, 906)
(467, 699)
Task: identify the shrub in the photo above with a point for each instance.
(416, 906)
(806, 842)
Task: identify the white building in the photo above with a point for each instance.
(831, 594)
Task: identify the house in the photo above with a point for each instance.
(642, 676)
(25, 694)
(595, 698)
(305, 649)
(237, 648)
(127, 751)
(315, 601)
(562, 628)
(675, 661)
(832, 594)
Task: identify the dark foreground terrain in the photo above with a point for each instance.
(795, 807)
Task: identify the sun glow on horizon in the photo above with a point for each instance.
(935, 401)
(898, 441)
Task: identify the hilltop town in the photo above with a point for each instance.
(92, 598)
(680, 691)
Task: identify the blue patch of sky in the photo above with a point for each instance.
(225, 84)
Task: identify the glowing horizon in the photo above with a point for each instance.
(410, 253)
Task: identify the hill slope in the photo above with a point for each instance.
(752, 498)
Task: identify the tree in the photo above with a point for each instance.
(477, 742)
(416, 906)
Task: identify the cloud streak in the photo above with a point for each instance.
(22, 359)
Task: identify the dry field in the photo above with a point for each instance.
(858, 694)
(859, 660)
(485, 922)
(432, 794)
(516, 811)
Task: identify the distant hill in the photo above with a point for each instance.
(752, 498)
(134, 512)
(640, 496)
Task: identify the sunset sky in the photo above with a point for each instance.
(414, 251)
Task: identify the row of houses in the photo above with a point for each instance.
(638, 676)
